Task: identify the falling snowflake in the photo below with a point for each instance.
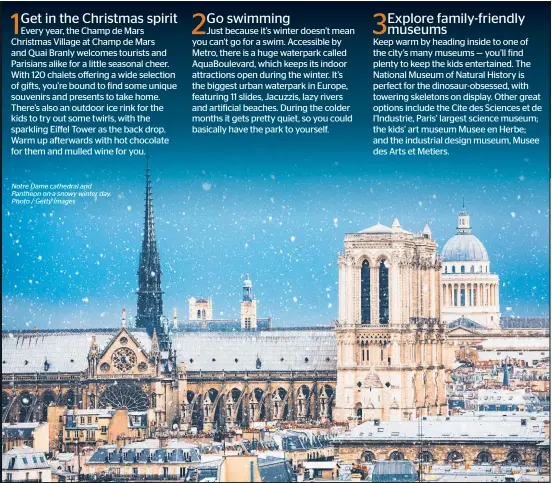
(206, 186)
(85, 300)
(292, 238)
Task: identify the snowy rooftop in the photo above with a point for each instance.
(24, 458)
(451, 428)
(281, 350)
(252, 351)
(379, 228)
(504, 343)
(64, 351)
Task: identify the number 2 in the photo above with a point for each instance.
(196, 31)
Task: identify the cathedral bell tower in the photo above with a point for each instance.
(150, 296)
(390, 338)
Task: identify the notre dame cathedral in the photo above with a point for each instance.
(385, 357)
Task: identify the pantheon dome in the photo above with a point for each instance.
(464, 247)
(469, 289)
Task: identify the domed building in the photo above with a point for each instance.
(470, 292)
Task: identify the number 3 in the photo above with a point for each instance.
(381, 23)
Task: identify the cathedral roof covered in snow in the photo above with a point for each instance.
(278, 350)
(55, 351)
(271, 350)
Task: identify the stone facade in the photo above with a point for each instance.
(470, 452)
(390, 339)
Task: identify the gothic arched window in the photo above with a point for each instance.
(425, 457)
(484, 457)
(368, 457)
(514, 458)
(396, 456)
(383, 293)
(455, 457)
(472, 269)
(462, 269)
(446, 269)
(365, 292)
(453, 269)
(199, 314)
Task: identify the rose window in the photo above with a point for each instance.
(124, 359)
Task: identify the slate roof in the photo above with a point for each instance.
(455, 428)
(18, 431)
(309, 350)
(276, 470)
(277, 350)
(65, 351)
(23, 458)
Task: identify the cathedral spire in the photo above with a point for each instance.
(150, 296)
